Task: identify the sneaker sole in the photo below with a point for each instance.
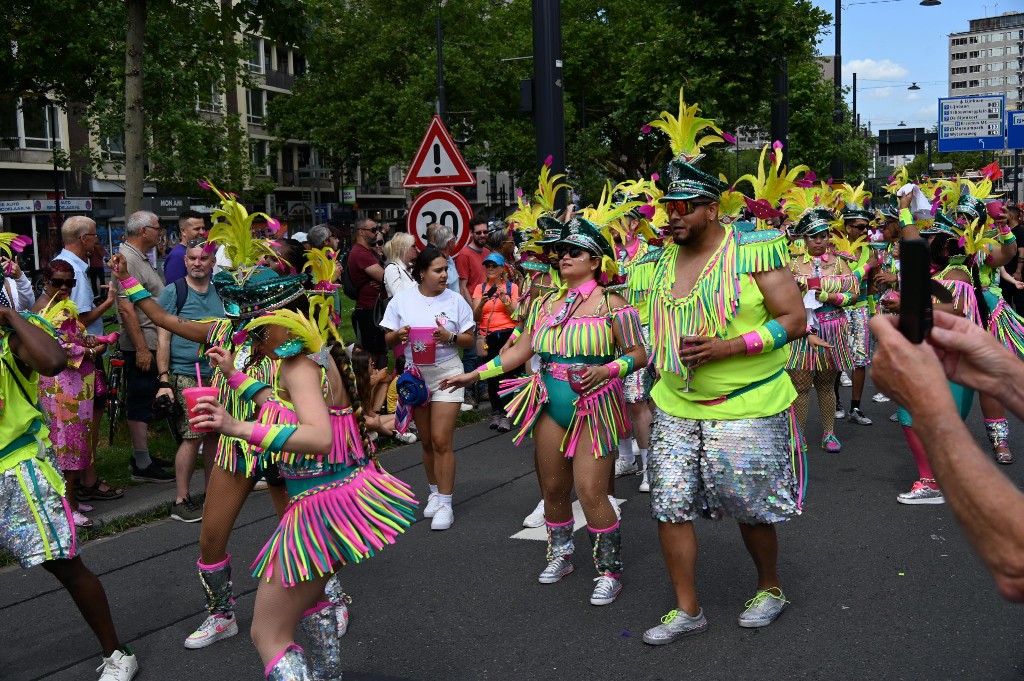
(175, 516)
(606, 601)
(622, 475)
(665, 641)
(558, 578)
(921, 502)
(441, 529)
(227, 633)
(757, 624)
(646, 490)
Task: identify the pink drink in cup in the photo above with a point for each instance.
(192, 395)
(424, 348)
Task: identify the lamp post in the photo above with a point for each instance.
(442, 107)
(548, 92)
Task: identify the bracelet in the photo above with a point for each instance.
(164, 384)
(245, 386)
(491, 369)
(270, 438)
(134, 290)
(765, 338)
(620, 366)
(1006, 237)
(906, 217)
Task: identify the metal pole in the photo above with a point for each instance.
(549, 104)
(856, 121)
(1016, 175)
(780, 106)
(442, 107)
(56, 173)
(837, 75)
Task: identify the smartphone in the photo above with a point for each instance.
(915, 290)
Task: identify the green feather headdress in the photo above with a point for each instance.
(232, 228)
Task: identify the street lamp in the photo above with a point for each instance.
(915, 86)
(901, 125)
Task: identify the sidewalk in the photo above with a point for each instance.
(144, 499)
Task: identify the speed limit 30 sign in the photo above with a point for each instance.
(445, 207)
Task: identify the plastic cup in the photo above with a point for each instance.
(192, 395)
(424, 348)
(576, 373)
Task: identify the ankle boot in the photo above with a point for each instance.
(289, 665)
(321, 629)
(216, 581)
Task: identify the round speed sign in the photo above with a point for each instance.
(445, 207)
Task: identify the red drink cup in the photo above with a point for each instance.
(424, 347)
(576, 372)
(192, 395)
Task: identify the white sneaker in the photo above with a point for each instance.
(260, 484)
(845, 380)
(645, 484)
(121, 666)
(213, 629)
(408, 437)
(880, 397)
(623, 467)
(615, 505)
(433, 503)
(443, 519)
(466, 406)
(536, 517)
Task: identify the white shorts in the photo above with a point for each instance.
(433, 374)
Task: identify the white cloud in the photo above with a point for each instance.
(870, 69)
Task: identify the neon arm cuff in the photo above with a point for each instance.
(491, 369)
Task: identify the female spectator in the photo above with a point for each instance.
(399, 254)
(816, 360)
(587, 339)
(67, 398)
(432, 305)
(373, 387)
(16, 285)
(493, 303)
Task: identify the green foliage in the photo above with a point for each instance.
(961, 160)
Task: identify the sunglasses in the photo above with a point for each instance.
(62, 283)
(379, 243)
(571, 251)
(684, 206)
(372, 230)
(483, 233)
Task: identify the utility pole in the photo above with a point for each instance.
(837, 81)
(549, 92)
(780, 108)
(442, 106)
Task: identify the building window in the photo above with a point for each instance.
(259, 155)
(959, 41)
(973, 40)
(996, 52)
(998, 66)
(257, 54)
(113, 147)
(282, 60)
(958, 85)
(28, 124)
(995, 81)
(974, 69)
(974, 83)
(214, 103)
(256, 105)
(299, 63)
(995, 37)
(974, 54)
(957, 70)
(957, 56)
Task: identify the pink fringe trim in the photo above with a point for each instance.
(602, 413)
(527, 404)
(347, 445)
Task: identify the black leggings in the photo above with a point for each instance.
(495, 342)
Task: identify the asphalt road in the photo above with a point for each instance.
(878, 590)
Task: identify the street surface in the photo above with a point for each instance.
(878, 590)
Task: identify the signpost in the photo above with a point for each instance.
(438, 162)
(972, 123)
(1015, 129)
(445, 207)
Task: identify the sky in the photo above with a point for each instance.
(893, 43)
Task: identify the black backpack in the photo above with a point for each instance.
(180, 295)
(348, 287)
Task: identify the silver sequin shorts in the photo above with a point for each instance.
(715, 469)
(637, 386)
(35, 520)
(859, 335)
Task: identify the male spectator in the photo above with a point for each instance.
(470, 264)
(988, 506)
(322, 236)
(386, 232)
(367, 274)
(138, 342)
(97, 275)
(80, 239)
(1015, 268)
(176, 360)
(191, 225)
(442, 238)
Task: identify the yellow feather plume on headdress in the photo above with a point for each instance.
(548, 187)
(322, 264)
(682, 131)
(773, 180)
(799, 200)
(232, 228)
(973, 239)
(524, 223)
(57, 312)
(858, 249)
(900, 177)
(981, 190)
(730, 204)
(322, 313)
(296, 323)
(847, 196)
(946, 193)
(606, 215)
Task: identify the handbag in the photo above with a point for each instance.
(412, 389)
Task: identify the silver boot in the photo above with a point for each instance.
(321, 629)
(560, 549)
(607, 550)
(341, 600)
(218, 587)
(290, 665)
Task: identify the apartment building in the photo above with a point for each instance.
(988, 59)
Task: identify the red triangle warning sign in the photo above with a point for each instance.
(438, 162)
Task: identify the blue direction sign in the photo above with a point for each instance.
(1015, 129)
(972, 123)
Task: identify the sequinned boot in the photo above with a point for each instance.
(289, 665)
(607, 545)
(320, 626)
(220, 624)
(998, 431)
(560, 549)
(341, 600)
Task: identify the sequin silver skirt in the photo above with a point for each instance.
(34, 526)
(859, 335)
(715, 469)
(638, 384)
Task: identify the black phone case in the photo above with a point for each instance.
(915, 290)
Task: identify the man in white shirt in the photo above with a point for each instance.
(79, 236)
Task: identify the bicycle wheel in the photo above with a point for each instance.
(115, 393)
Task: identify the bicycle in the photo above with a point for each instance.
(115, 390)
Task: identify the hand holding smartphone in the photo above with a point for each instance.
(915, 290)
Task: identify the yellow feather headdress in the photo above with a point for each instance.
(232, 228)
(683, 130)
(607, 215)
(548, 187)
(773, 180)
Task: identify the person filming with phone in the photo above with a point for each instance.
(493, 303)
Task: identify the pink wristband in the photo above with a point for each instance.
(259, 433)
(613, 369)
(753, 342)
(129, 283)
(237, 379)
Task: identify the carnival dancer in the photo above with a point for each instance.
(952, 271)
(724, 439)
(636, 258)
(587, 340)
(342, 508)
(854, 249)
(36, 526)
(247, 291)
(827, 284)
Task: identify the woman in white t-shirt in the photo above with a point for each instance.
(431, 305)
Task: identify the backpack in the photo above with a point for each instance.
(348, 287)
(180, 295)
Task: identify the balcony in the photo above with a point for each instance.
(8, 155)
(380, 189)
(284, 81)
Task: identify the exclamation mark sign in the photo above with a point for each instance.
(437, 158)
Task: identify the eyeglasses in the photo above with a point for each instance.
(195, 243)
(684, 206)
(372, 230)
(483, 233)
(571, 251)
(62, 283)
(490, 265)
(380, 242)
(91, 234)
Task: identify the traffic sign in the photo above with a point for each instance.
(445, 207)
(438, 162)
(971, 123)
(1015, 129)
